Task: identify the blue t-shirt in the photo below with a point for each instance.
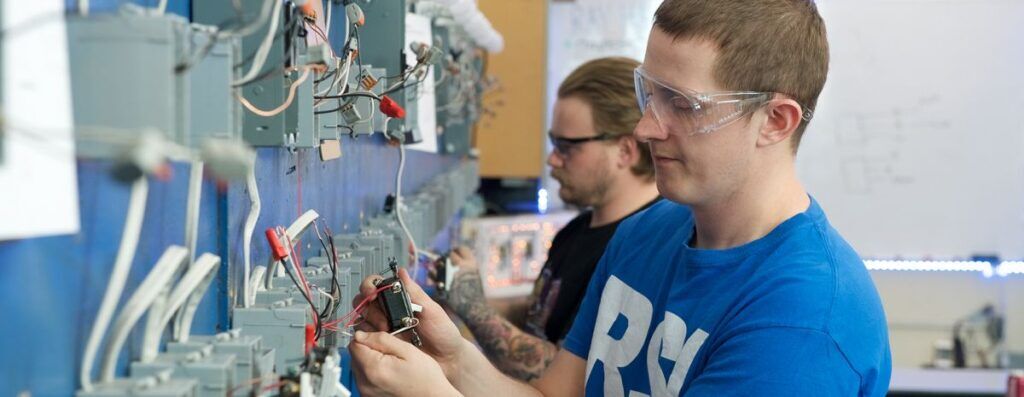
(792, 313)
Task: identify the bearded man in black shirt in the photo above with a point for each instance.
(600, 167)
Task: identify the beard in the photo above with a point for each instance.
(583, 192)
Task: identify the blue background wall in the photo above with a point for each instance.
(50, 288)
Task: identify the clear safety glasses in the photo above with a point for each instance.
(687, 112)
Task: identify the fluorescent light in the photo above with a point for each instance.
(1007, 268)
(984, 268)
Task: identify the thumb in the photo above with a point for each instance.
(382, 343)
(415, 291)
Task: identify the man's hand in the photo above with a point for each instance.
(441, 338)
(388, 366)
(467, 289)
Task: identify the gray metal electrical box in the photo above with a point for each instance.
(294, 126)
(123, 80)
(158, 386)
(245, 348)
(215, 113)
(281, 325)
(214, 372)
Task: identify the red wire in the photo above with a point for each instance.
(358, 310)
(319, 32)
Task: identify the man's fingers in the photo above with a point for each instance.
(384, 343)
(415, 292)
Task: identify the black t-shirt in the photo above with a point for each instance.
(563, 281)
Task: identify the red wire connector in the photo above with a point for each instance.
(277, 250)
(391, 108)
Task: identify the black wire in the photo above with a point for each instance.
(359, 54)
(402, 87)
(326, 76)
(349, 95)
(309, 300)
(339, 107)
(327, 308)
(334, 254)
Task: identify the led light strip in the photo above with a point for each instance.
(984, 268)
(1008, 268)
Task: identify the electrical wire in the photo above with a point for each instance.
(250, 227)
(358, 94)
(398, 207)
(192, 210)
(161, 7)
(83, 7)
(149, 290)
(302, 283)
(327, 19)
(194, 283)
(288, 102)
(264, 49)
(118, 276)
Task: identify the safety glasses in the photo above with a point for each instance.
(687, 112)
(564, 146)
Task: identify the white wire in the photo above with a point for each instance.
(194, 282)
(398, 206)
(250, 227)
(118, 275)
(327, 21)
(192, 210)
(161, 8)
(150, 289)
(195, 193)
(83, 7)
(264, 49)
(268, 5)
(287, 102)
(415, 322)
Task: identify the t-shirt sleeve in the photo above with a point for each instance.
(777, 361)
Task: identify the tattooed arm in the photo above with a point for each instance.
(515, 352)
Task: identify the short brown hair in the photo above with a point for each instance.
(763, 45)
(606, 84)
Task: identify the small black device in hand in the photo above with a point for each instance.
(397, 306)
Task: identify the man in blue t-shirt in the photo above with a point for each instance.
(736, 286)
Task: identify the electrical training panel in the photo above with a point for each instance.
(150, 87)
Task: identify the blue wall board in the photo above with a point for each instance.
(180, 7)
(50, 288)
(342, 191)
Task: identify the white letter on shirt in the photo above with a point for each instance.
(618, 298)
(670, 337)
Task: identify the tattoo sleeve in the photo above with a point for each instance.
(515, 352)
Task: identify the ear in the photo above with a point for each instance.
(783, 118)
(628, 151)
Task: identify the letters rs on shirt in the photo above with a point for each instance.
(668, 341)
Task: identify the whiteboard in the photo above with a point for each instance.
(917, 147)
